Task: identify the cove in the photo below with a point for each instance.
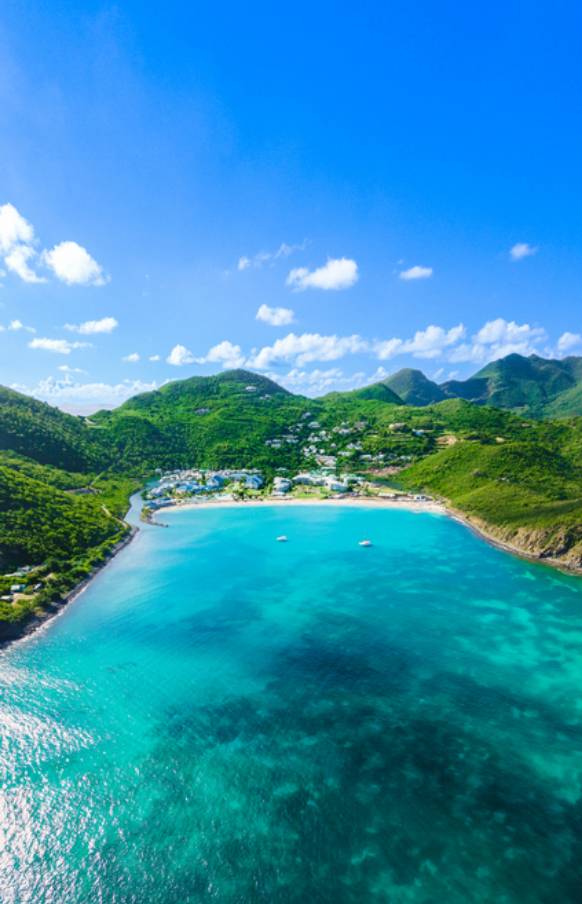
(221, 717)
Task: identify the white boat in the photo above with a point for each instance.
(365, 543)
(282, 539)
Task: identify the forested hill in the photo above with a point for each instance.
(47, 435)
(217, 421)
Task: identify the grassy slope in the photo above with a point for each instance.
(566, 403)
(526, 491)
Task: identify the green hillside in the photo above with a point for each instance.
(218, 421)
(566, 403)
(379, 392)
(414, 388)
(39, 520)
(534, 386)
(526, 491)
(46, 434)
(61, 534)
(538, 387)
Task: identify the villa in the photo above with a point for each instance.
(281, 485)
(253, 482)
(310, 480)
(215, 482)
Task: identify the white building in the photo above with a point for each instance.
(281, 485)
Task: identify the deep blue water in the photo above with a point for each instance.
(221, 717)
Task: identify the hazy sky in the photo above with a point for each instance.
(325, 192)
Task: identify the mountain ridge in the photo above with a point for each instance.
(534, 386)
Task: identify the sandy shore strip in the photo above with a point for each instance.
(414, 505)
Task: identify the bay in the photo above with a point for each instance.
(224, 717)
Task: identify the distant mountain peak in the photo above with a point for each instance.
(532, 384)
(414, 387)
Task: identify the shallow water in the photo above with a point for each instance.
(226, 718)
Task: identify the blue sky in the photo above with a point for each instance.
(389, 185)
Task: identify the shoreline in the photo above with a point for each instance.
(552, 561)
(21, 631)
(433, 506)
(36, 623)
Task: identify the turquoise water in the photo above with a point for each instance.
(222, 717)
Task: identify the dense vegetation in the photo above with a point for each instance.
(215, 422)
(65, 481)
(537, 387)
(46, 434)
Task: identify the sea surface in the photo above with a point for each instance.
(221, 717)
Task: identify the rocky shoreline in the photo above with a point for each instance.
(533, 549)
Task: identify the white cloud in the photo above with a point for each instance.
(72, 264)
(225, 353)
(498, 338)
(133, 358)
(15, 326)
(431, 342)
(275, 316)
(317, 382)
(338, 273)
(58, 346)
(66, 369)
(416, 272)
(388, 348)
(18, 262)
(84, 398)
(305, 348)
(154, 358)
(428, 343)
(179, 356)
(90, 327)
(14, 229)
(521, 249)
(507, 332)
(69, 261)
(264, 257)
(568, 342)
(320, 381)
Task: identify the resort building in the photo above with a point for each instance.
(281, 485)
